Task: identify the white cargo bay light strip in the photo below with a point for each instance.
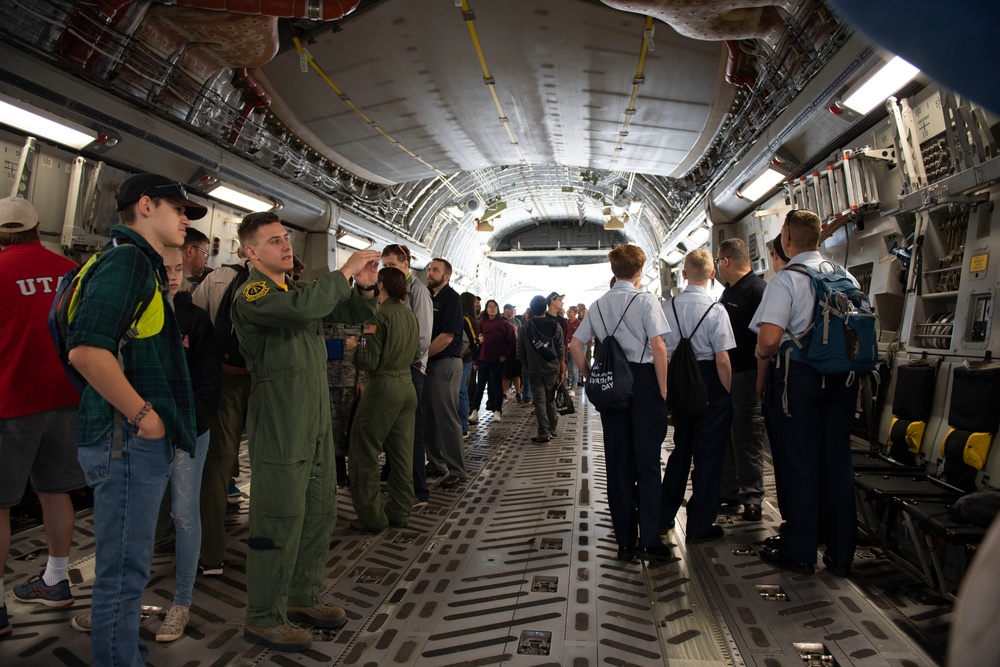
(42, 124)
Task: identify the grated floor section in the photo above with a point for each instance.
(517, 567)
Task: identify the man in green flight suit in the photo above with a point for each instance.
(293, 501)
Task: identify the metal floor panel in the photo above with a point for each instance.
(517, 567)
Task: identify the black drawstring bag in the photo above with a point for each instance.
(564, 404)
(609, 387)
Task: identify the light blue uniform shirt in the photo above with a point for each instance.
(789, 300)
(643, 321)
(714, 335)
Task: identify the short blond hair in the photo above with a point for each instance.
(698, 265)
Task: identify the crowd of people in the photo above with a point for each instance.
(179, 359)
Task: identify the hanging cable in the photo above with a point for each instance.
(469, 17)
(647, 42)
(304, 53)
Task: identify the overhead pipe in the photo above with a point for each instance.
(717, 20)
(319, 10)
(92, 22)
(88, 25)
(260, 100)
(738, 71)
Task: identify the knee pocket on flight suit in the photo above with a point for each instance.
(281, 487)
(321, 492)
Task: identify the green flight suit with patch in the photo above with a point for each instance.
(293, 500)
(389, 345)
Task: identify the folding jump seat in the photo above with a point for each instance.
(943, 545)
(880, 492)
(911, 405)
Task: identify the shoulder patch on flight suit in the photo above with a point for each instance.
(369, 329)
(254, 291)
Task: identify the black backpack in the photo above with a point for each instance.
(686, 390)
(544, 346)
(225, 334)
(609, 387)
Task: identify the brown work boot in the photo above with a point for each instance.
(284, 637)
(321, 615)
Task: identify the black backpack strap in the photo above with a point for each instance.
(677, 319)
(623, 314)
(707, 311)
(672, 301)
(597, 304)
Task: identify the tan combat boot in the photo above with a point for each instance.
(284, 637)
(320, 615)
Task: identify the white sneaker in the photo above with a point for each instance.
(211, 571)
(572, 393)
(498, 416)
(173, 625)
(81, 622)
(474, 416)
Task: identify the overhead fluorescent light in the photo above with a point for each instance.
(353, 241)
(634, 208)
(674, 257)
(454, 211)
(894, 75)
(698, 237)
(239, 199)
(758, 187)
(40, 123)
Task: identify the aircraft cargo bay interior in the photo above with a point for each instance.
(501, 160)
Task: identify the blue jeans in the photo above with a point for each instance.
(572, 373)
(185, 508)
(463, 397)
(127, 494)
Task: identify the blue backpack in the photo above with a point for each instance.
(843, 336)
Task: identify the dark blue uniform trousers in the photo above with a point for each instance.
(812, 461)
(705, 441)
(633, 440)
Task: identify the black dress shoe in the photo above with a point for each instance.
(435, 472)
(540, 439)
(655, 555)
(773, 557)
(836, 570)
(774, 541)
(626, 554)
(729, 502)
(453, 480)
(751, 512)
(714, 533)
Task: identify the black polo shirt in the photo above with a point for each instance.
(741, 301)
(448, 318)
